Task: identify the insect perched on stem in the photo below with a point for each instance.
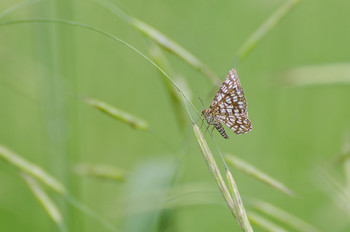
(229, 107)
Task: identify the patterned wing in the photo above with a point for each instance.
(230, 106)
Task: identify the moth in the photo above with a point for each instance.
(229, 107)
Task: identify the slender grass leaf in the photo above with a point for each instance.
(266, 27)
(118, 114)
(163, 41)
(101, 171)
(328, 74)
(215, 171)
(265, 223)
(176, 99)
(250, 170)
(241, 214)
(32, 169)
(46, 202)
(283, 216)
(17, 7)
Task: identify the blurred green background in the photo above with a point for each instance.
(45, 68)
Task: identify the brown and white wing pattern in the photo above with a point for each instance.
(230, 106)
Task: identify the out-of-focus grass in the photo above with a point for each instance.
(101, 171)
(31, 169)
(17, 7)
(256, 173)
(265, 28)
(118, 114)
(327, 74)
(264, 223)
(163, 41)
(283, 216)
(46, 202)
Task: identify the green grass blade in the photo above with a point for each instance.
(241, 214)
(328, 74)
(176, 99)
(265, 223)
(17, 7)
(215, 171)
(250, 170)
(87, 27)
(266, 27)
(32, 169)
(46, 202)
(118, 114)
(284, 217)
(163, 41)
(101, 171)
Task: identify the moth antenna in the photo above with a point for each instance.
(201, 101)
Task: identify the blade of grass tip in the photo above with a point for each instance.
(264, 223)
(87, 27)
(214, 170)
(101, 171)
(118, 114)
(327, 74)
(242, 215)
(257, 174)
(32, 169)
(17, 7)
(266, 27)
(46, 202)
(162, 40)
(161, 61)
(283, 216)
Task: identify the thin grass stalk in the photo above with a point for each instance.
(118, 114)
(175, 97)
(163, 40)
(215, 171)
(264, 223)
(283, 216)
(252, 171)
(87, 27)
(265, 28)
(17, 7)
(45, 201)
(242, 215)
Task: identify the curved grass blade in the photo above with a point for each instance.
(32, 169)
(284, 217)
(163, 41)
(161, 61)
(265, 223)
(45, 201)
(328, 74)
(118, 114)
(17, 7)
(250, 170)
(101, 171)
(266, 27)
(235, 208)
(87, 27)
